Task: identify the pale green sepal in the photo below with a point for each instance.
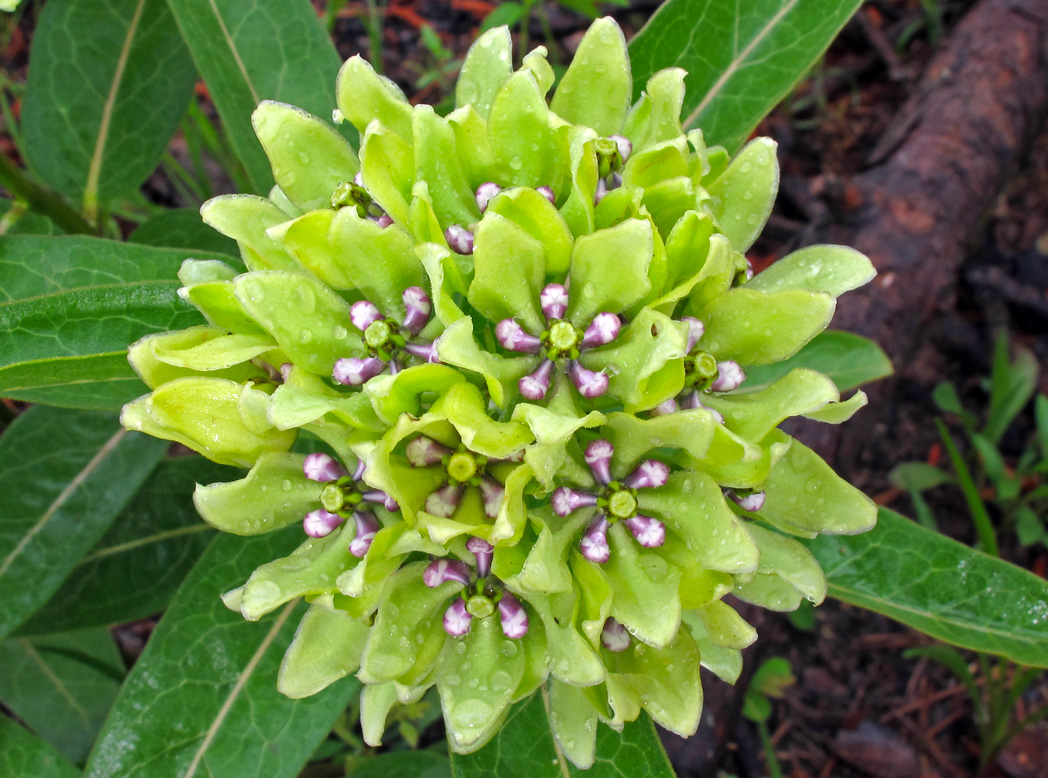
(393, 395)
(769, 592)
(309, 158)
(363, 95)
(687, 250)
(644, 589)
(245, 219)
(665, 678)
(618, 205)
(281, 201)
(744, 194)
(537, 61)
(305, 398)
(690, 431)
(326, 647)
(509, 272)
(446, 280)
(839, 412)
(476, 153)
(457, 346)
(578, 209)
(381, 263)
(597, 87)
(537, 216)
(656, 116)
(571, 658)
(476, 682)
(752, 415)
(424, 225)
(758, 328)
(376, 700)
(203, 414)
(609, 270)
(466, 408)
(310, 569)
(645, 363)
(208, 349)
(273, 495)
(713, 279)
(552, 433)
(804, 492)
(668, 201)
(655, 165)
(436, 163)
(202, 271)
(725, 663)
(792, 562)
(573, 720)
(487, 66)
(692, 507)
(387, 164)
(830, 269)
(545, 570)
(208, 286)
(309, 321)
(725, 627)
(523, 140)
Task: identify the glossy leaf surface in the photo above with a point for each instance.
(25, 754)
(850, 360)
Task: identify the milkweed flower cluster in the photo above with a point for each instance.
(494, 370)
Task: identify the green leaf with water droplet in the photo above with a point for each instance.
(537, 216)
(597, 86)
(790, 561)
(166, 356)
(644, 589)
(436, 163)
(655, 117)
(529, 150)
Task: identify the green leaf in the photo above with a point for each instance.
(202, 699)
(183, 228)
(525, 746)
(26, 754)
(940, 587)
(21, 221)
(68, 308)
(850, 360)
(1012, 386)
(74, 472)
(254, 50)
(62, 686)
(108, 84)
(742, 58)
(137, 566)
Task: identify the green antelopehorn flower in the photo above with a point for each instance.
(512, 345)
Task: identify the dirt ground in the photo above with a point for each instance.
(858, 708)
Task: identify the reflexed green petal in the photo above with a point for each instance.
(692, 506)
(768, 591)
(465, 407)
(552, 433)
(436, 163)
(403, 393)
(689, 430)
(574, 722)
(537, 62)
(538, 217)
(327, 646)
(488, 63)
(789, 560)
(830, 269)
(545, 569)
(510, 269)
(577, 210)
(755, 328)
(273, 495)
(309, 158)
(203, 414)
(804, 492)
(477, 155)
(387, 164)
(665, 678)
(725, 626)
(839, 412)
(363, 95)
(305, 398)
(714, 276)
(571, 658)
(245, 218)
(754, 414)
(209, 287)
(376, 700)
(522, 137)
(744, 195)
(309, 321)
(609, 270)
(166, 356)
(733, 461)
(472, 711)
(597, 87)
(644, 589)
(656, 116)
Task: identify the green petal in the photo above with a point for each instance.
(305, 398)
(745, 193)
(667, 681)
(577, 210)
(208, 286)
(474, 144)
(273, 495)
(309, 321)
(376, 700)
(166, 356)
(363, 96)
(830, 269)
(755, 328)
(510, 269)
(326, 647)
(457, 346)
(689, 430)
(537, 61)
(245, 218)
(755, 414)
(725, 627)
(533, 152)
(803, 491)
(790, 561)
(310, 569)
(839, 412)
(552, 432)
(203, 414)
(487, 66)
(387, 164)
(769, 592)
(436, 163)
(478, 675)
(597, 87)
(644, 589)
(692, 506)
(545, 570)
(571, 657)
(735, 462)
(538, 217)
(309, 158)
(393, 395)
(574, 722)
(600, 283)
(465, 407)
(713, 277)
(411, 608)
(656, 116)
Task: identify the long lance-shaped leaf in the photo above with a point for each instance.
(940, 587)
(254, 50)
(137, 567)
(202, 699)
(69, 307)
(108, 83)
(68, 475)
(525, 746)
(742, 57)
(22, 753)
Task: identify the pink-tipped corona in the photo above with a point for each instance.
(457, 620)
(486, 192)
(440, 571)
(548, 193)
(512, 336)
(565, 500)
(598, 456)
(614, 636)
(367, 526)
(460, 240)
(418, 308)
(352, 371)
(604, 328)
(424, 451)
(554, 301)
(320, 523)
(513, 617)
(594, 544)
(730, 377)
(696, 329)
(649, 532)
(751, 502)
(321, 467)
(589, 383)
(649, 474)
(445, 501)
(483, 552)
(492, 492)
(535, 386)
(363, 314)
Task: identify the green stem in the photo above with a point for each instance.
(980, 516)
(42, 200)
(769, 750)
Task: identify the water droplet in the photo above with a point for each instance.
(303, 158)
(306, 336)
(745, 167)
(516, 163)
(509, 649)
(340, 332)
